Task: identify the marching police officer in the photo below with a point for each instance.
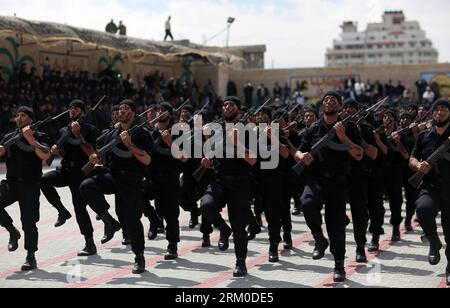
(24, 170)
(326, 181)
(230, 186)
(433, 196)
(77, 149)
(126, 164)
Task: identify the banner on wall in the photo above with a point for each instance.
(442, 79)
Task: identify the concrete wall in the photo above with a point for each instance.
(321, 80)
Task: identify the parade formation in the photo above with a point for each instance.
(345, 153)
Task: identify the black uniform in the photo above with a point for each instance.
(24, 171)
(386, 176)
(70, 174)
(231, 186)
(326, 183)
(125, 179)
(166, 186)
(411, 193)
(358, 183)
(434, 196)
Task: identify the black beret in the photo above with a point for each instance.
(166, 107)
(334, 94)
(28, 111)
(129, 103)
(234, 99)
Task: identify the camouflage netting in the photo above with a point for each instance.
(48, 32)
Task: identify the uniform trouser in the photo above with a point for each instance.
(291, 188)
(72, 178)
(128, 197)
(383, 180)
(27, 194)
(272, 192)
(188, 193)
(411, 193)
(148, 194)
(235, 193)
(358, 186)
(432, 199)
(167, 202)
(331, 192)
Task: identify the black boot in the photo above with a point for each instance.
(194, 219)
(225, 233)
(206, 241)
(172, 252)
(14, 236)
(89, 249)
(63, 216)
(111, 227)
(160, 226)
(241, 269)
(375, 243)
(434, 257)
(139, 264)
(152, 231)
(273, 253)
(30, 263)
(296, 211)
(396, 234)
(339, 272)
(408, 225)
(253, 231)
(361, 254)
(287, 237)
(125, 238)
(320, 246)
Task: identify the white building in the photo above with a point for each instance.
(393, 41)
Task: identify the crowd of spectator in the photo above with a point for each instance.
(51, 92)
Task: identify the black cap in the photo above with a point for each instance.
(28, 111)
(78, 104)
(334, 94)
(313, 110)
(188, 108)
(281, 114)
(406, 115)
(129, 103)
(350, 102)
(441, 102)
(267, 111)
(234, 99)
(392, 113)
(166, 107)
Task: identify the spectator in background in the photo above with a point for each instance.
(286, 91)
(168, 27)
(428, 97)
(231, 89)
(421, 86)
(261, 95)
(248, 93)
(400, 89)
(111, 27)
(277, 91)
(122, 29)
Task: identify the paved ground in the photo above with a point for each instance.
(402, 264)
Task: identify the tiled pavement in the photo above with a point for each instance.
(402, 264)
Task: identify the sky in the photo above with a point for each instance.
(296, 32)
